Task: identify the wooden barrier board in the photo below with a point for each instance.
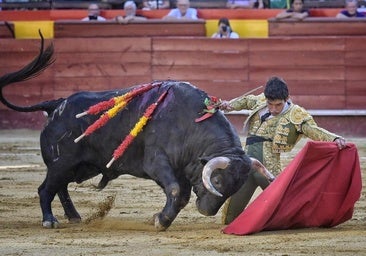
(6, 29)
(316, 26)
(146, 28)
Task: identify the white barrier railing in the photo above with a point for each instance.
(318, 112)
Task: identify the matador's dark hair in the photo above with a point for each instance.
(276, 89)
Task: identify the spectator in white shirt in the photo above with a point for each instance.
(93, 13)
(183, 11)
(130, 9)
(244, 4)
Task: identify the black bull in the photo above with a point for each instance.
(172, 149)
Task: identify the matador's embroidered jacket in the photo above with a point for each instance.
(282, 131)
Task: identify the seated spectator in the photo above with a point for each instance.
(224, 30)
(130, 13)
(155, 4)
(183, 11)
(296, 11)
(350, 11)
(244, 4)
(94, 13)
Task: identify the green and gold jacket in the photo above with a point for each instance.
(283, 130)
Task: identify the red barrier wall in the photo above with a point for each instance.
(323, 73)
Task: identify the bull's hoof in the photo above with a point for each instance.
(73, 217)
(75, 220)
(158, 225)
(50, 224)
(155, 220)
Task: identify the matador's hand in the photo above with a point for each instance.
(341, 142)
(225, 105)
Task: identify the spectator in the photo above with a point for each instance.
(94, 13)
(244, 4)
(274, 126)
(224, 30)
(130, 13)
(350, 11)
(155, 4)
(183, 11)
(296, 11)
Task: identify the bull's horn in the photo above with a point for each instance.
(220, 162)
(261, 169)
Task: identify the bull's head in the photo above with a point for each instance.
(221, 177)
(223, 162)
(231, 175)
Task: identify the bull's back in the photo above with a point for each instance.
(171, 130)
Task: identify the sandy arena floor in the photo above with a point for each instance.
(125, 229)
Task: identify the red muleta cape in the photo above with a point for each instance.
(319, 188)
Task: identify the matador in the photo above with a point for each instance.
(274, 126)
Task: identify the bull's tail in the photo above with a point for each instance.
(33, 69)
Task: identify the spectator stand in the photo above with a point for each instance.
(249, 23)
(118, 4)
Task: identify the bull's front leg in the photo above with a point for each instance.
(176, 188)
(177, 197)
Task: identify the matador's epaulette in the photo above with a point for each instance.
(298, 115)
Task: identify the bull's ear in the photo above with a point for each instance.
(203, 160)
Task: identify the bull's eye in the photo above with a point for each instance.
(216, 181)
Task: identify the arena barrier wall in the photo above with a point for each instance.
(247, 23)
(324, 73)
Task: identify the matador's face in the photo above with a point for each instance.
(275, 107)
